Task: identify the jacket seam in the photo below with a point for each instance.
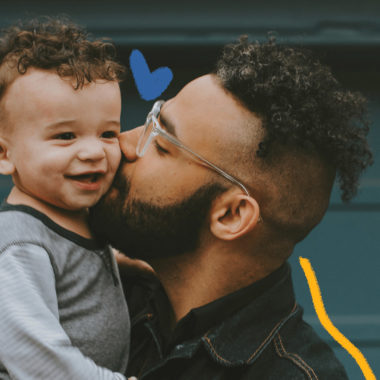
(213, 350)
(296, 359)
(285, 355)
(264, 342)
(271, 333)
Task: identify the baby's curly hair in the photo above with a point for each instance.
(301, 104)
(56, 44)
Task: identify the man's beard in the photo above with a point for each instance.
(145, 231)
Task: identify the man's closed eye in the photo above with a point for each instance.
(160, 149)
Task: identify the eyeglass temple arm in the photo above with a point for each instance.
(202, 159)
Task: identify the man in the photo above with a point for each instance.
(214, 193)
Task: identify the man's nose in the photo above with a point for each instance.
(128, 143)
(91, 150)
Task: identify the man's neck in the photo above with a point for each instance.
(75, 221)
(196, 279)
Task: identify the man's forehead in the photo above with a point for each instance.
(204, 104)
(194, 102)
(200, 89)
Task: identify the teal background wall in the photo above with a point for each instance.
(345, 248)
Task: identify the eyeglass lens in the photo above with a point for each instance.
(144, 139)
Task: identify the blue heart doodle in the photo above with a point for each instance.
(150, 85)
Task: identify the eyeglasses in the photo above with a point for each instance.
(152, 128)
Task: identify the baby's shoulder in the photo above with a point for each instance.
(17, 227)
(18, 221)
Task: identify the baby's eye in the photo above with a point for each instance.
(109, 134)
(65, 136)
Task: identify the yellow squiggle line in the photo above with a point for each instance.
(328, 325)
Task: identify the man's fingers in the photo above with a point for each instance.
(130, 266)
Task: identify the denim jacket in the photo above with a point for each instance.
(264, 339)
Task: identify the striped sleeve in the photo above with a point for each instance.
(33, 344)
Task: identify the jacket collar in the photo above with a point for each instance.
(240, 338)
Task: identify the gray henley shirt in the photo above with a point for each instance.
(63, 313)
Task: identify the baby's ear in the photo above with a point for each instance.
(6, 165)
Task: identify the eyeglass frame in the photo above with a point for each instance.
(158, 130)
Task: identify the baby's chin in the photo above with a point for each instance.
(76, 206)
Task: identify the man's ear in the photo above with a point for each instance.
(6, 165)
(233, 215)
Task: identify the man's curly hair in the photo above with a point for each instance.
(56, 44)
(301, 104)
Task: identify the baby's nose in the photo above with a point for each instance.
(92, 150)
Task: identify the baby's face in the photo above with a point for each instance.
(63, 142)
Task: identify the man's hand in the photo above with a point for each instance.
(128, 266)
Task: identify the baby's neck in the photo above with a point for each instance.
(75, 221)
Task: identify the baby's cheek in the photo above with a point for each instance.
(108, 180)
(115, 158)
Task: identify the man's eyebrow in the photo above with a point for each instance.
(167, 125)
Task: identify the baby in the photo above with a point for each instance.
(63, 314)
